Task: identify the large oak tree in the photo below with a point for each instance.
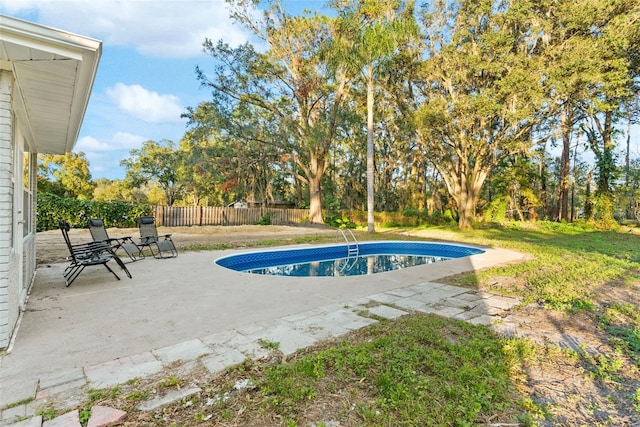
(292, 92)
(481, 90)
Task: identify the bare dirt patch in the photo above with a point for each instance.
(580, 373)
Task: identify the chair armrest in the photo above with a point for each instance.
(92, 246)
(99, 246)
(127, 240)
(108, 241)
(90, 250)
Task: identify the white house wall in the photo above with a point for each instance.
(8, 272)
(17, 248)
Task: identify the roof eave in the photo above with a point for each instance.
(25, 40)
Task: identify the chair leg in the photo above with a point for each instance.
(169, 247)
(159, 254)
(71, 273)
(153, 254)
(122, 266)
(112, 272)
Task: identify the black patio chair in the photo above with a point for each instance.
(99, 234)
(164, 247)
(87, 254)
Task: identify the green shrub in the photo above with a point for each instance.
(449, 216)
(497, 210)
(603, 214)
(53, 208)
(339, 220)
(421, 216)
(406, 218)
(439, 218)
(265, 220)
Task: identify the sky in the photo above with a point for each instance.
(146, 76)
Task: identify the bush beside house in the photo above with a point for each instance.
(53, 208)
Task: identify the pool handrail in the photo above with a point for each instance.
(353, 250)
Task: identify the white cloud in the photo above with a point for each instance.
(117, 142)
(146, 105)
(90, 144)
(160, 28)
(105, 155)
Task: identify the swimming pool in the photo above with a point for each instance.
(342, 260)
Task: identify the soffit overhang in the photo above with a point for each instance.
(54, 72)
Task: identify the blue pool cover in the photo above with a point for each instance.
(256, 260)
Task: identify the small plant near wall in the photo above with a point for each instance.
(265, 220)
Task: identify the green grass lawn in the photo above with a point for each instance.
(418, 370)
(570, 267)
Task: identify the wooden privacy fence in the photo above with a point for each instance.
(184, 216)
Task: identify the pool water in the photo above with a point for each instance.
(345, 260)
(355, 266)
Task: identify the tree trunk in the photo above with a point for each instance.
(573, 183)
(566, 120)
(627, 163)
(607, 164)
(315, 200)
(170, 194)
(466, 210)
(542, 173)
(314, 176)
(370, 152)
(464, 188)
(588, 202)
(627, 171)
